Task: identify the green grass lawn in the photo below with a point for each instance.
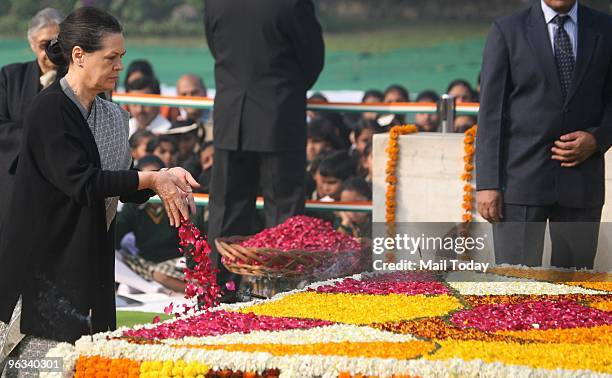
(132, 318)
(412, 35)
(419, 56)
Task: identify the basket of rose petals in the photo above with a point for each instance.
(300, 247)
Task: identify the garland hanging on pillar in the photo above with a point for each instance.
(391, 179)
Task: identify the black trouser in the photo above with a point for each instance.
(574, 232)
(234, 183)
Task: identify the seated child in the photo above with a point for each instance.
(354, 223)
(329, 171)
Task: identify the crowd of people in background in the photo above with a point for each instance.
(182, 136)
(339, 149)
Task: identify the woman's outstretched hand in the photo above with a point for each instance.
(174, 188)
(187, 179)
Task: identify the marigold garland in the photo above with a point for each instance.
(392, 151)
(468, 169)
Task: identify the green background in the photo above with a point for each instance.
(419, 57)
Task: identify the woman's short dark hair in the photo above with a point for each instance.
(399, 89)
(457, 82)
(150, 160)
(84, 27)
(358, 185)
(373, 93)
(140, 65)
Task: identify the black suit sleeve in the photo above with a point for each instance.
(10, 131)
(57, 149)
(307, 39)
(138, 197)
(603, 133)
(495, 83)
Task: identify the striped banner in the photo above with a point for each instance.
(158, 100)
(467, 108)
(376, 107)
(354, 107)
(366, 206)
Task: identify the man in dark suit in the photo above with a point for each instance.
(545, 122)
(19, 83)
(268, 53)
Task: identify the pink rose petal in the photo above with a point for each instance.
(222, 322)
(523, 316)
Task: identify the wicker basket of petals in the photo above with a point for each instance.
(301, 247)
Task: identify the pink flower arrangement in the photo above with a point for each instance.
(393, 283)
(531, 315)
(219, 323)
(303, 233)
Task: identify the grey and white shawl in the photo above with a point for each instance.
(109, 124)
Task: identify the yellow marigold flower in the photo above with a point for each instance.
(593, 335)
(357, 308)
(553, 356)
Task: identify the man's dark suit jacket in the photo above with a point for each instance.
(260, 103)
(19, 83)
(522, 110)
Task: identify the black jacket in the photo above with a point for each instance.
(56, 251)
(19, 83)
(268, 53)
(522, 110)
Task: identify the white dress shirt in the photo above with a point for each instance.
(570, 26)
